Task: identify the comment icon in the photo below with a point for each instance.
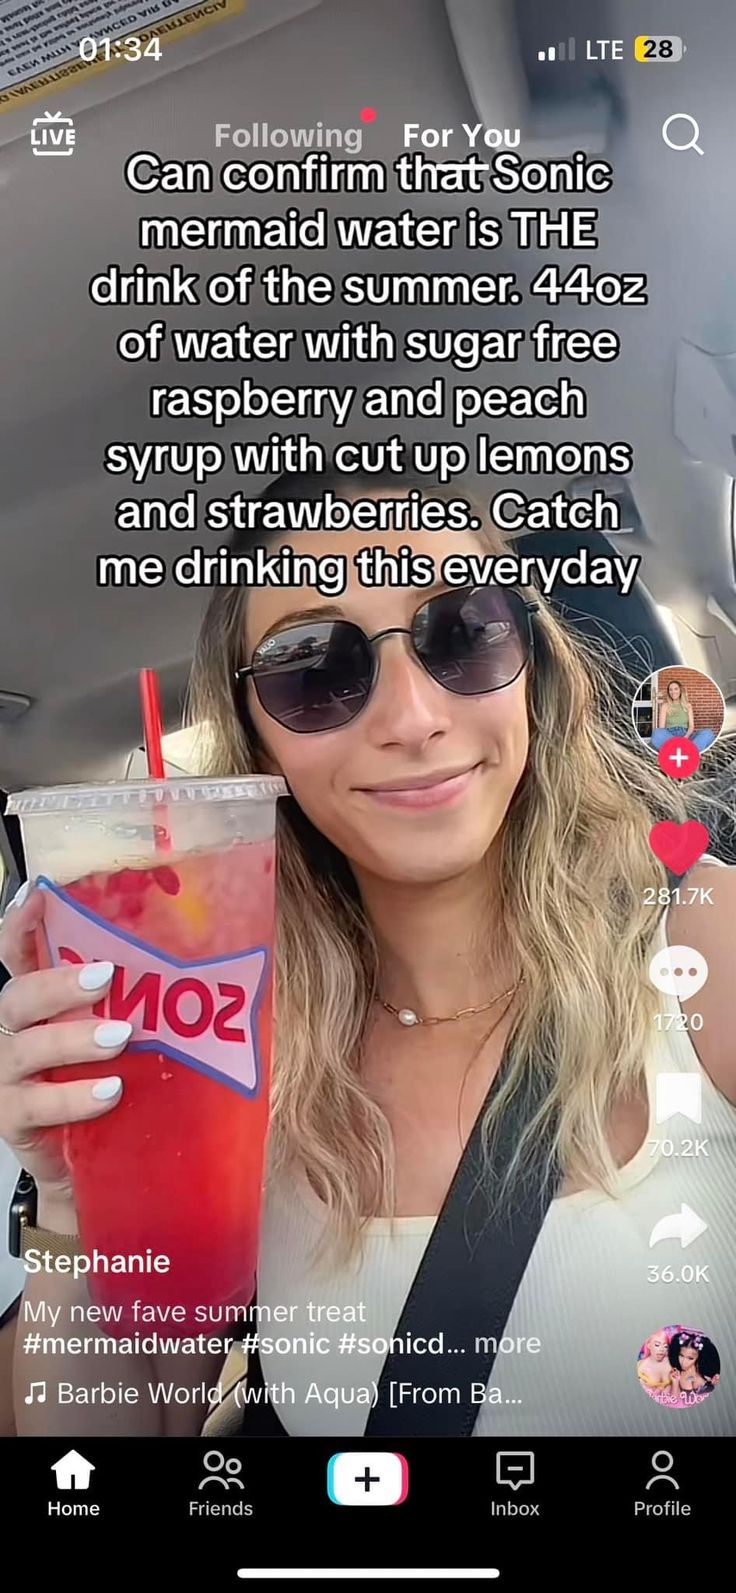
(678, 971)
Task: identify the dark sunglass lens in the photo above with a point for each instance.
(473, 642)
(315, 676)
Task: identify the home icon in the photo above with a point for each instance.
(72, 1471)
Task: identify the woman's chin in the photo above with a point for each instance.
(421, 865)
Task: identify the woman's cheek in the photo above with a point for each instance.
(513, 742)
(312, 783)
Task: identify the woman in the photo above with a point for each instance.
(465, 880)
(676, 719)
(696, 1366)
(653, 1368)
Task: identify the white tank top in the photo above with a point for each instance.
(586, 1294)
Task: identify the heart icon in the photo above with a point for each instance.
(678, 846)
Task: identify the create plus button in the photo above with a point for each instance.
(363, 1478)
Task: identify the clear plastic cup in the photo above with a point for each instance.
(174, 882)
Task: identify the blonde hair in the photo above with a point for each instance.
(574, 864)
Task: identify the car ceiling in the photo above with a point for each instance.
(74, 649)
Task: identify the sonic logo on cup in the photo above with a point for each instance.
(153, 1000)
(200, 1013)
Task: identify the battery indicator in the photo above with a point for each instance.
(658, 47)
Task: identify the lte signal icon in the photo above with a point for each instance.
(558, 52)
(52, 134)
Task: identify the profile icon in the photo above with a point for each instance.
(662, 1463)
(678, 702)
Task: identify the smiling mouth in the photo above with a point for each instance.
(423, 794)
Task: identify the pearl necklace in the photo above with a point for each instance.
(408, 1017)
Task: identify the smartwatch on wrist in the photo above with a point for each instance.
(23, 1235)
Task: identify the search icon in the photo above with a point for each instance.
(692, 143)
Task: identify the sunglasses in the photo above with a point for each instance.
(320, 674)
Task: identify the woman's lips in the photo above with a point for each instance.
(428, 796)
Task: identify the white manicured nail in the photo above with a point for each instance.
(110, 1035)
(96, 974)
(20, 894)
(106, 1088)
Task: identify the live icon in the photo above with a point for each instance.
(604, 49)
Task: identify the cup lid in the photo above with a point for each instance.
(150, 794)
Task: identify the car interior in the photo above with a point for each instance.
(70, 650)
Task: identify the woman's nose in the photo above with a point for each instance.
(408, 705)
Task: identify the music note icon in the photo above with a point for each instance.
(29, 1399)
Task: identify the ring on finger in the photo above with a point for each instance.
(11, 1033)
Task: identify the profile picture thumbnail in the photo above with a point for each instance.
(678, 1366)
(677, 701)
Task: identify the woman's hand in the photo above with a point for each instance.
(30, 1110)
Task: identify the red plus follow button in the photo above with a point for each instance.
(679, 757)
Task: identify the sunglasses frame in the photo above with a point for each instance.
(251, 671)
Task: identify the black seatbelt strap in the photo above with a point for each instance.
(462, 1292)
(465, 1286)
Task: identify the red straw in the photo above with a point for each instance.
(152, 736)
(152, 727)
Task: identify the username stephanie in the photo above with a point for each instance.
(78, 1266)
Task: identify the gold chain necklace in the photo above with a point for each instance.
(409, 1018)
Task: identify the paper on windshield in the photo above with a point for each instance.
(39, 41)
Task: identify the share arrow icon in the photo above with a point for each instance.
(684, 1225)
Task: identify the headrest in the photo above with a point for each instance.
(631, 624)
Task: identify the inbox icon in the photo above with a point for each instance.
(362, 1478)
(515, 1468)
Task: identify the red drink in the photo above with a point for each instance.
(176, 1169)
